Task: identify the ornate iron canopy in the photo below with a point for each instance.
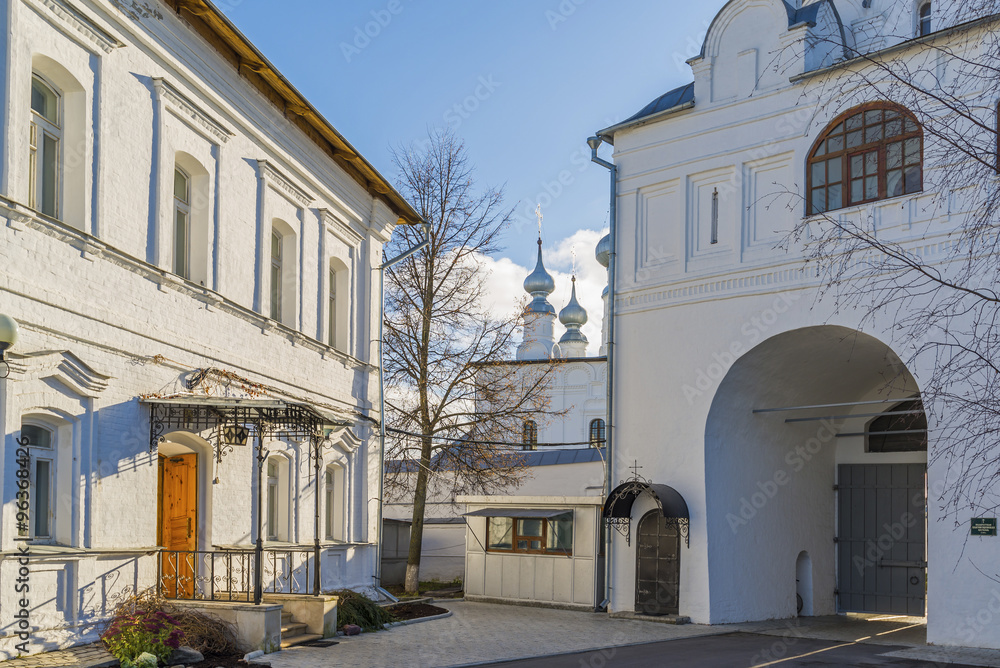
(618, 506)
(235, 418)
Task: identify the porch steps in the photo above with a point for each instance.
(293, 632)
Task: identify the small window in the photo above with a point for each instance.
(925, 19)
(529, 435)
(332, 306)
(330, 505)
(45, 136)
(596, 433)
(41, 471)
(273, 500)
(276, 278)
(866, 155)
(182, 224)
(530, 535)
(902, 428)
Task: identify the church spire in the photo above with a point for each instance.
(539, 315)
(573, 343)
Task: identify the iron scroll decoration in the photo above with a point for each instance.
(618, 506)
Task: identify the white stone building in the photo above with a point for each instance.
(722, 345)
(188, 247)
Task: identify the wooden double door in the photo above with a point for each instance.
(177, 525)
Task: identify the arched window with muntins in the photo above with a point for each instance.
(529, 435)
(870, 153)
(925, 25)
(596, 433)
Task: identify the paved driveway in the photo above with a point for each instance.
(482, 633)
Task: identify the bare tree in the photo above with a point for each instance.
(451, 401)
(937, 281)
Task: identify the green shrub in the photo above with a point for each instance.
(355, 608)
(132, 635)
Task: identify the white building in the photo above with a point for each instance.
(746, 497)
(188, 247)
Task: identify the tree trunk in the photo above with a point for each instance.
(417, 527)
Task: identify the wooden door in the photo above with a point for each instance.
(178, 529)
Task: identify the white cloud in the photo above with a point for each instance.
(505, 293)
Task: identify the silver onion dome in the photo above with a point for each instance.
(603, 251)
(539, 283)
(573, 314)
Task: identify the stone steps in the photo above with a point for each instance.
(299, 639)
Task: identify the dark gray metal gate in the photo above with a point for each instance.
(658, 565)
(881, 549)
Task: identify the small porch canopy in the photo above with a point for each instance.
(528, 513)
(196, 413)
(618, 506)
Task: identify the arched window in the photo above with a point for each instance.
(332, 309)
(45, 139)
(333, 498)
(41, 465)
(277, 268)
(596, 433)
(182, 223)
(902, 428)
(924, 20)
(529, 435)
(868, 154)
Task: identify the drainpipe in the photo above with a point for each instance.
(381, 395)
(609, 478)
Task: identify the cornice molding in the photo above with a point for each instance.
(283, 184)
(340, 228)
(63, 367)
(71, 21)
(188, 111)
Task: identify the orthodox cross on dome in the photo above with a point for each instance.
(572, 252)
(635, 468)
(538, 212)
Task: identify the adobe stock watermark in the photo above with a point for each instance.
(552, 189)
(562, 12)
(364, 34)
(796, 459)
(753, 332)
(461, 111)
(22, 583)
(780, 647)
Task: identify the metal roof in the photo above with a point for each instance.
(554, 457)
(669, 102)
(533, 513)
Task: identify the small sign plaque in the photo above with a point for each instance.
(984, 526)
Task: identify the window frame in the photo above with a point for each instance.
(601, 435)
(40, 127)
(529, 435)
(50, 453)
(515, 535)
(276, 273)
(846, 153)
(331, 305)
(925, 22)
(182, 207)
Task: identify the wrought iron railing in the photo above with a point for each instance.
(228, 575)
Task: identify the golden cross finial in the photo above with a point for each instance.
(538, 212)
(572, 251)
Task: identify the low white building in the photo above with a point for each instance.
(774, 467)
(188, 247)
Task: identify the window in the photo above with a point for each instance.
(866, 155)
(330, 505)
(273, 500)
(530, 535)
(529, 435)
(332, 306)
(276, 278)
(333, 503)
(715, 217)
(45, 135)
(596, 433)
(182, 224)
(903, 427)
(924, 20)
(41, 468)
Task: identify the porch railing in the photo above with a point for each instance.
(228, 575)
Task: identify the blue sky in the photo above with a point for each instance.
(523, 82)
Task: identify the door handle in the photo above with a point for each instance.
(189, 527)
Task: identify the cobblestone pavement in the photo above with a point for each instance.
(85, 656)
(484, 632)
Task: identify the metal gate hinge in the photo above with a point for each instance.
(836, 540)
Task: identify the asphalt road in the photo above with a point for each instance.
(732, 651)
